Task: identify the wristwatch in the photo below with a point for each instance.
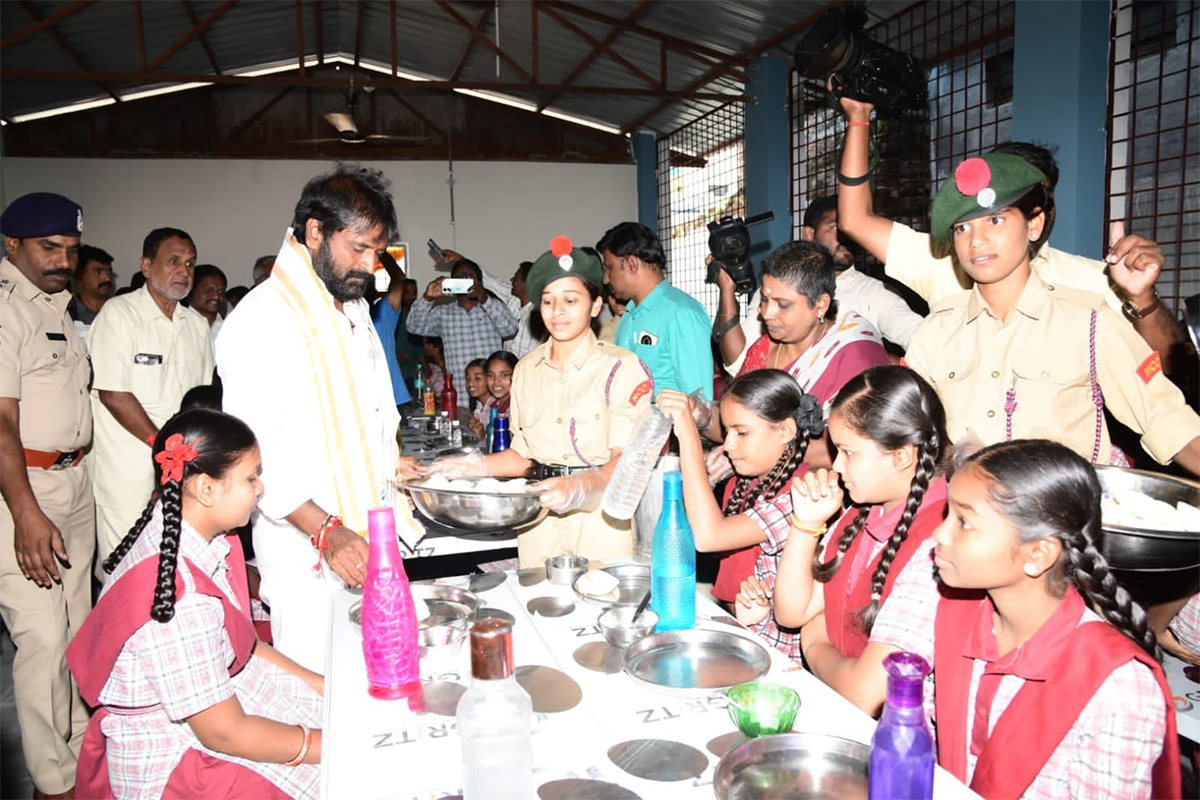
(1133, 312)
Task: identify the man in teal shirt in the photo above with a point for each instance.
(667, 328)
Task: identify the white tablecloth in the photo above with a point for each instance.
(375, 749)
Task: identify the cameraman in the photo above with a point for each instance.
(1133, 262)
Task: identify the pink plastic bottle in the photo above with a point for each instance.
(389, 621)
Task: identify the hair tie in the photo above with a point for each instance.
(175, 453)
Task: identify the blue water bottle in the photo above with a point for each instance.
(902, 754)
(501, 437)
(489, 432)
(673, 561)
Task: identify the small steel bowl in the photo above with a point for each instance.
(563, 570)
(474, 510)
(762, 709)
(619, 629)
(441, 641)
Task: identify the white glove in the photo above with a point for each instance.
(581, 490)
(717, 465)
(471, 465)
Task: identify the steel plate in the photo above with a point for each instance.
(794, 766)
(694, 661)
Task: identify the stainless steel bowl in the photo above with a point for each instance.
(618, 626)
(633, 581)
(447, 605)
(441, 641)
(475, 511)
(563, 570)
(794, 766)
(1154, 566)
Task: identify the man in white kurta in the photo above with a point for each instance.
(304, 367)
(147, 352)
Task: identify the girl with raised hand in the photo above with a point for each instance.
(768, 424)
(890, 432)
(1044, 670)
(192, 704)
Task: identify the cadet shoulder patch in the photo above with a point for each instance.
(640, 391)
(1150, 367)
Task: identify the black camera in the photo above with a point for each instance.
(861, 69)
(729, 243)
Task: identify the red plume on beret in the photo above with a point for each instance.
(972, 176)
(560, 246)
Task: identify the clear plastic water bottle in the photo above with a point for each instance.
(389, 619)
(495, 717)
(902, 754)
(673, 561)
(632, 473)
(455, 434)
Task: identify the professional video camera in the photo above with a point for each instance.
(861, 68)
(729, 243)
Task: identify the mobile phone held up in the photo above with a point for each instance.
(457, 285)
(436, 251)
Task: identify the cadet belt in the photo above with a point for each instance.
(541, 472)
(41, 459)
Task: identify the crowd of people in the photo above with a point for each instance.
(942, 502)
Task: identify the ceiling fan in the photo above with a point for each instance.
(348, 132)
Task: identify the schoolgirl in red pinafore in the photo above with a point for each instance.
(148, 677)
(889, 429)
(1078, 707)
(768, 422)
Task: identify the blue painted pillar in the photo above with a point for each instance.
(645, 154)
(1060, 100)
(768, 156)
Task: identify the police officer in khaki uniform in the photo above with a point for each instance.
(47, 519)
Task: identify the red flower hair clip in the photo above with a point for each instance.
(175, 453)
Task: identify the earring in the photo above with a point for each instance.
(1031, 569)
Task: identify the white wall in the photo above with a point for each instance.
(237, 210)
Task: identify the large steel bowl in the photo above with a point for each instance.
(794, 766)
(474, 510)
(1155, 566)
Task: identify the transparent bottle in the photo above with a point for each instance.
(455, 434)
(902, 754)
(637, 460)
(389, 619)
(673, 561)
(495, 718)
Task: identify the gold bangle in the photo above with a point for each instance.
(800, 526)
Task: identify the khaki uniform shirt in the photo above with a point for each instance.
(602, 390)
(925, 265)
(1041, 351)
(137, 349)
(43, 364)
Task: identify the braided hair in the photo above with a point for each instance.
(893, 407)
(1045, 489)
(775, 396)
(220, 440)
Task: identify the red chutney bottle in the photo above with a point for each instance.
(450, 398)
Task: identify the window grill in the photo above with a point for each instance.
(968, 47)
(1153, 149)
(701, 178)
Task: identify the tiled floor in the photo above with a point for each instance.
(14, 780)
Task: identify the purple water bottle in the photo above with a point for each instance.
(902, 755)
(389, 620)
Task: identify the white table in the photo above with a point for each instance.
(1186, 694)
(375, 749)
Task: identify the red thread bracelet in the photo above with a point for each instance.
(320, 538)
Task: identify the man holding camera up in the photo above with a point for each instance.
(667, 328)
(474, 326)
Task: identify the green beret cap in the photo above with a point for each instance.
(981, 186)
(559, 261)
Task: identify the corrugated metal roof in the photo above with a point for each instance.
(429, 41)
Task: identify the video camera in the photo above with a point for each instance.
(861, 69)
(729, 243)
